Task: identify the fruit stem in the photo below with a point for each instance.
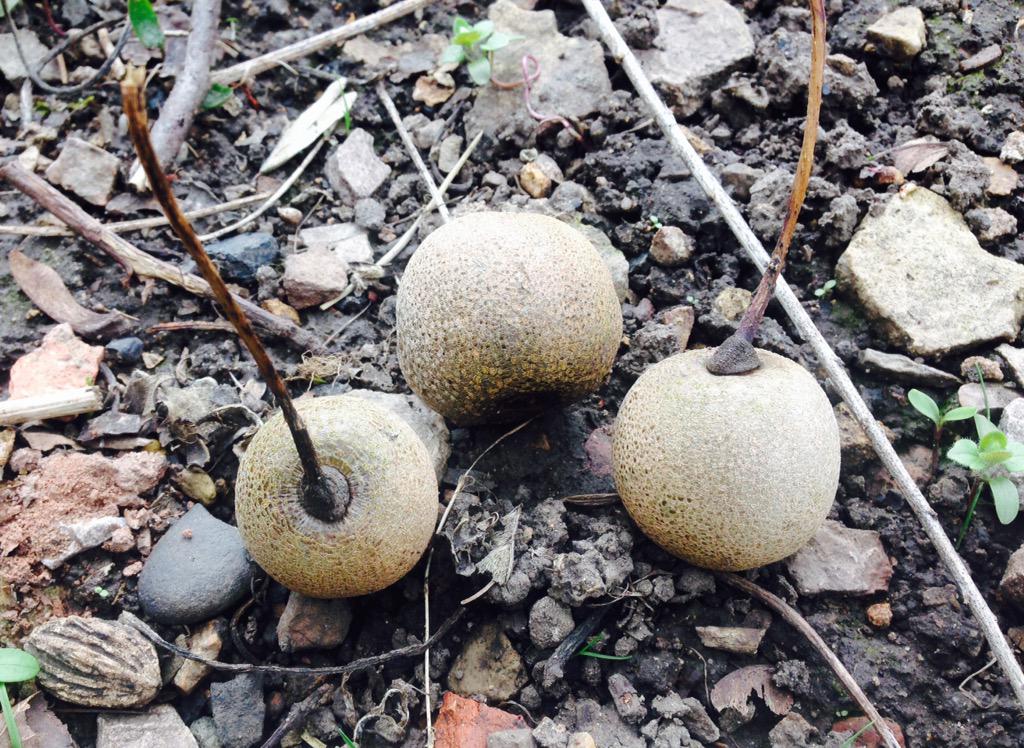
(737, 354)
(324, 494)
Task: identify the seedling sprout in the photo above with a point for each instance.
(15, 666)
(475, 45)
(587, 650)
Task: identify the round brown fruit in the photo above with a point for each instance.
(387, 524)
(726, 472)
(503, 314)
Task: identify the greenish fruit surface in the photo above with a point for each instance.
(389, 521)
(727, 472)
(503, 314)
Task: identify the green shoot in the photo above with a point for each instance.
(587, 650)
(217, 96)
(15, 666)
(989, 459)
(349, 743)
(927, 407)
(475, 45)
(852, 740)
(655, 222)
(145, 23)
(826, 289)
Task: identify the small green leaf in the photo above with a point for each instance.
(480, 71)
(453, 54)
(995, 456)
(1016, 462)
(984, 425)
(467, 38)
(460, 24)
(924, 405)
(349, 743)
(217, 96)
(497, 40)
(17, 666)
(484, 28)
(1005, 497)
(993, 441)
(965, 452)
(959, 414)
(145, 23)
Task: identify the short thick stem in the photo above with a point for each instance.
(324, 496)
(737, 354)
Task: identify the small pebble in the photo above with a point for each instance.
(289, 215)
(880, 615)
(990, 370)
(671, 246)
(123, 350)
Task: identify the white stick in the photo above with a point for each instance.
(414, 152)
(798, 315)
(57, 404)
(245, 71)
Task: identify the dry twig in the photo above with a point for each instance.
(826, 356)
(57, 404)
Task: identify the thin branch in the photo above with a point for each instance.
(246, 71)
(414, 153)
(365, 663)
(793, 618)
(56, 404)
(736, 355)
(320, 696)
(324, 494)
(134, 260)
(827, 358)
(190, 88)
(123, 227)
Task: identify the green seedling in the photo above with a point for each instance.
(655, 222)
(930, 409)
(15, 666)
(349, 743)
(587, 650)
(475, 45)
(989, 459)
(145, 23)
(217, 96)
(826, 289)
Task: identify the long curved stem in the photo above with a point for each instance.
(737, 354)
(324, 496)
(12, 726)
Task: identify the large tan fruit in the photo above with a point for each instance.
(389, 521)
(503, 314)
(727, 472)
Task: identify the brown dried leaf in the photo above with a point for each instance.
(733, 691)
(38, 726)
(917, 155)
(47, 291)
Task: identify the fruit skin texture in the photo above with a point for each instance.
(726, 472)
(391, 516)
(503, 314)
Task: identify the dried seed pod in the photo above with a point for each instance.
(96, 663)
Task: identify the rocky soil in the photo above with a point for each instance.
(913, 210)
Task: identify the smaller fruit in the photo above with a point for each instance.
(726, 472)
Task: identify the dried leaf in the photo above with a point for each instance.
(733, 691)
(917, 155)
(47, 291)
(46, 441)
(320, 117)
(502, 558)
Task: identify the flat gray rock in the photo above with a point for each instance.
(198, 569)
(841, 560)
(86, 170)
(573, 78)
(239, 710)
(905, 369)
(354, 169)
(699, 43)
(920, 274)
(1014, 357)
(994, 396)
(157, 727)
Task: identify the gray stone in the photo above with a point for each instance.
(792, 731)
(739, 178)
(354, 169)
(1013, 148)
(786, 57)
(522, 738)
(313, 277)
(1014, 357)
(699, 43)
(428, 425)
(840, 220)
(627, 700)
(734, 639)
(1011, 586)
(572, 82)
(238, 710)
(86, 170)
(841, 560)
(35, 51)
(920, 273)
(488, 666)
(239, 257)
(672, 247)
(448, 153)
(995, 396)
(905, 369)
(991, 224)
(348, 241)
(157, 727)
(550, 734)
(84, 535)
(691, 712)
(204, 730)
(550, 622)
(370, 213)
(617, 263)
(310, 623)
(198, 569)
(900, 34)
